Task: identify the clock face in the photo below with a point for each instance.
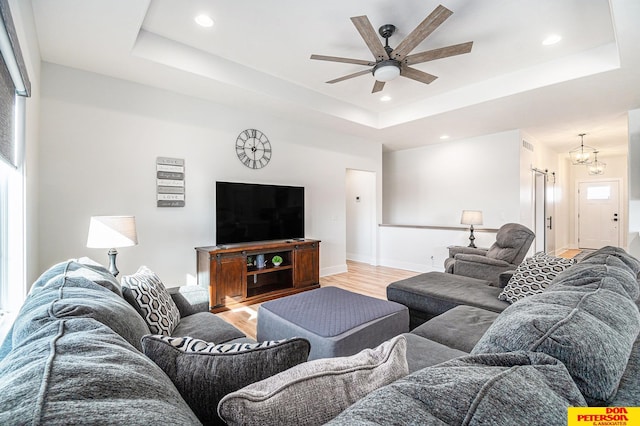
(253, 148)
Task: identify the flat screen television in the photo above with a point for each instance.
(248, 212)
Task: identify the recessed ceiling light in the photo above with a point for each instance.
(204, 21)
(443, 137)
(385, 98)
(551, 39)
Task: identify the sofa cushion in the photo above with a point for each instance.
(145, 291)
(205, 372)
(316, 391)
(458, 328)
(533, 275)
(423, 352)
(585, 310)
(492, 389)
(76, 371)
(72, 292)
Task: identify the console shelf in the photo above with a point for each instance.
(230, 272)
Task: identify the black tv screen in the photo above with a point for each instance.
(252, 212)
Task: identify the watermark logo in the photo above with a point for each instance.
(603, 416)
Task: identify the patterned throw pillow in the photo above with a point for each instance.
(205, 372)
(533, 275)
(145, 291)
(190, 345)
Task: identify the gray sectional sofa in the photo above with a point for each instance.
(576, 343)
(75, 356)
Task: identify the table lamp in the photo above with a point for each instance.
(112, 232)
(471, 217)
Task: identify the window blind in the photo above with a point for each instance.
(14, 81)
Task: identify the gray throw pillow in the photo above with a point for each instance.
(316, 391)
(145, 291)
(515, 388)
(204, 372)
(533, 276)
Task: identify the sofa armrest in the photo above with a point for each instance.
(475, 258)
(481, 267)
(190, 299)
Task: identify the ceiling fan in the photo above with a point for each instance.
(390, 63)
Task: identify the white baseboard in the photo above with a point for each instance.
(332, 270)
(360, 258)
(408, 266)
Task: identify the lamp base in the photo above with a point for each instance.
(112, 262)
(471, 239)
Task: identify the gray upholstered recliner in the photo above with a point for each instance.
(512, 243)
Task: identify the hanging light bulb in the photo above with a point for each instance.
(582, 154)
(597, 168)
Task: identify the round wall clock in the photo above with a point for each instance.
(253, 148)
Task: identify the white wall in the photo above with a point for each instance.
(100, 141)
(433, 184)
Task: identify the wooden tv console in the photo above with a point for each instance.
(230, 272)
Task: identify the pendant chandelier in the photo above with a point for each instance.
(597, 167)
(583, 154)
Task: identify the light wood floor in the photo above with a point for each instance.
(359, 278)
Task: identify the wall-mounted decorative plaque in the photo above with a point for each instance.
(170, 182)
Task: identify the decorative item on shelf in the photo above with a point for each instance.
(260, 263)
(582, 154)
(276, 260)
(250, 261)
(597, 168)
(112, 232)
(471, 217)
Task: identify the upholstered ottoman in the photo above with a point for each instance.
(336, 322)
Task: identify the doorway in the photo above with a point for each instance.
(599, 214)
(361, 238)
(544, 208)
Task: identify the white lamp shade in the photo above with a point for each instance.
(386, 73)
(112, 232)
(471, 217)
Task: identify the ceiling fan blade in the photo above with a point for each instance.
(443, 52)
(426, 27)
(346, 77)
(370, 37)
(378, 86)
(345, 60)
(417, 75)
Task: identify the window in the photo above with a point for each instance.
(14, 87)
(598, 192)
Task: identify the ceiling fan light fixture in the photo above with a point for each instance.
(598, 167)
(583, 154)
(386, 70)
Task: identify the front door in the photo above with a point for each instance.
(598, 214)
